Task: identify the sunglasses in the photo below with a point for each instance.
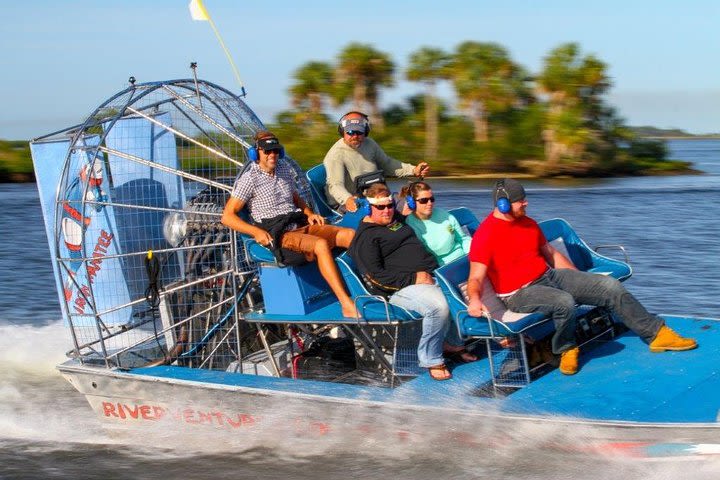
(354, 133)
(383, 207)
(425, 200)
(270, 151)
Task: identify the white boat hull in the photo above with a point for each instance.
(178, 409)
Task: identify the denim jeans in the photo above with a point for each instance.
(558, 291)
(429, 301)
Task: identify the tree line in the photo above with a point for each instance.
(553, 122)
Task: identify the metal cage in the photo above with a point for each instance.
(133, 197)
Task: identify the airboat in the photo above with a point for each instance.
(180, 323)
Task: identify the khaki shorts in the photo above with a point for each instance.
(303, 239)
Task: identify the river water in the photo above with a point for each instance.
(669, 226)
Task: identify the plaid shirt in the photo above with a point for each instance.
(266, 195)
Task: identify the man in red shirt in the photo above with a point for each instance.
(529, 275)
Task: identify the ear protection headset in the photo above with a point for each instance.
(254, 156)
(410, 201)
(502, 202)
(363, 207)
(344, 121)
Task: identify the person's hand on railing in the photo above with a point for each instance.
(263, 238)
(477, 309)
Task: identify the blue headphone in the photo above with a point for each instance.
(363, 206)
(502, 202)
(410, 201)
(254, 156)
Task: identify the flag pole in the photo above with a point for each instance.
(200, 13)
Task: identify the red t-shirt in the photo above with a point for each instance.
(510, 250)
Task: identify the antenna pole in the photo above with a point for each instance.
(193, 67)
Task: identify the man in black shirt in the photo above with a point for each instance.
(394, 263)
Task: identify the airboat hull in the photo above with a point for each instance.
(654, 405)
(165, 305)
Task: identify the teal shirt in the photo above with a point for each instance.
(442, 235)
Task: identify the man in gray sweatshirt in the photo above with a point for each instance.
(355, 154)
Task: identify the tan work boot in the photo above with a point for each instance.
(569, 361)
(667, 339)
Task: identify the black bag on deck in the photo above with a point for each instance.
(327, 358)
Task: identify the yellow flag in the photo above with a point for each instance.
(198, 11)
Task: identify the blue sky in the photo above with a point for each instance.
(62, 58)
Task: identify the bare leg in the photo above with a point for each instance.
(344, 237)
(331, 274)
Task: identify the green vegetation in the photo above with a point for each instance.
(553, 123)
(15, 161)
(506, 120)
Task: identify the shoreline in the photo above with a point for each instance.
(19, 178)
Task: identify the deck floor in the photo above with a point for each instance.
(620, 380)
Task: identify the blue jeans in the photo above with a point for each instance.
(429, 301)
(558, 291)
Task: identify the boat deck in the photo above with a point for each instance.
(624, 380)
(620, 380)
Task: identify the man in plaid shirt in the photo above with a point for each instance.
(267, 188)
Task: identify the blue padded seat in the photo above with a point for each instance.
(466, 218)
(374, 310)
(296, 290)
(257, 252)
(372, 307)
(559, 232)
(449, 277)
(317, 177)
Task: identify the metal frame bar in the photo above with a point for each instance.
(164, 168)
(207, 118)
(616, 247)
(186, 137)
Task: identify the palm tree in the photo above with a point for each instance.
(313, 84)
(486, 81)
(574, 86)
(428, 65)
(360, 72)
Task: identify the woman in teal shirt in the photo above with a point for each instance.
(439, 231)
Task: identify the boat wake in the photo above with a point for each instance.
(44, 421)
(35, 402)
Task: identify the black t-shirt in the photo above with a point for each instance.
(389, 256)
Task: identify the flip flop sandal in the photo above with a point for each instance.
(439, 372)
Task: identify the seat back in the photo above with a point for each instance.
(348, 270)
(370, 306)
(317, 177)
(452, 278)
(466, 218)
(563, 237)
(253, 251)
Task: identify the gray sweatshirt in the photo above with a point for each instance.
(343, 164)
